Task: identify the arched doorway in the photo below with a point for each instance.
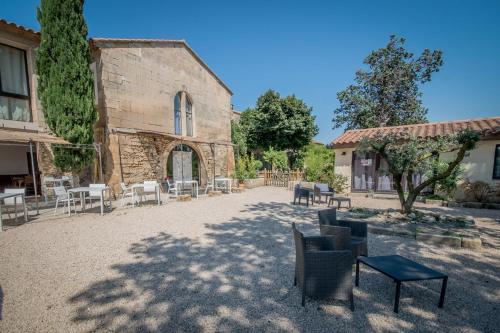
(183, 163)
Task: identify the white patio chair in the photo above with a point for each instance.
(127, 192)
(95, 193)
(150, 187)
(13, 202)
(63, 196)
(210, 186)
(48, 183)
(172, 187)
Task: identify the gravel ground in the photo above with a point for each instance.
(219, 264)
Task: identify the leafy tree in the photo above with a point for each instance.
(65, 85)
(407, 155)
(277, 158)
(239, 138)
(282, 123)
(247, 167)
(316, 158)
(388, 93)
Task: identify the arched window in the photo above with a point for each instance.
(177, 114)
(189, 117)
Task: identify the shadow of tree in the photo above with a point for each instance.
(238, 277)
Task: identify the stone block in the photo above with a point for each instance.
(470, 204)
(448, 241)
(214, 193)
(471, 243)
(493, 205)
(184, 197)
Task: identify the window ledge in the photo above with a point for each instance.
(23, 125)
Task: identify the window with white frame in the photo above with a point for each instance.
(14, 88)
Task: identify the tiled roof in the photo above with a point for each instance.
(485, 126)
(19, 27)
(101, 42)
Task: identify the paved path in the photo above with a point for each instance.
(218, 264)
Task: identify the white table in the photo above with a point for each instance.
(181, 182)
(135, 187)
(13, 195)
(83, 190)
(228, 182)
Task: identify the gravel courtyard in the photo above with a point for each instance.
(220, 264)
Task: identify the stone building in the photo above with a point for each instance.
(163, 112)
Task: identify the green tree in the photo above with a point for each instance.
(388, 93)
(277, 158)
(239, 138)
(282, 123)
(407, 155)
(65, 85)
(316, 158)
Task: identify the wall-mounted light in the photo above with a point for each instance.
(343, 153)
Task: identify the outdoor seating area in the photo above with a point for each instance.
(65, 196)
(145, 268)
(316, 192)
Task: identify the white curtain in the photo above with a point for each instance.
(13, 71)
(14, 81)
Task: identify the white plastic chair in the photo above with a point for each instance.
(48, 183)
(126, 193)
(172, 187)
(150, 187)
(95, 193)
(210, 185)
(63, 196)
(12, 202)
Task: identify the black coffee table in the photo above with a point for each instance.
(401, 269)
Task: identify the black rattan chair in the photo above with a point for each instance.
(302, 192)
(358, 235)
(322, 271)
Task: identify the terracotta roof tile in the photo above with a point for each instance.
(19, 27)
(486, 126)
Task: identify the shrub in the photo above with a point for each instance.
(479, 191)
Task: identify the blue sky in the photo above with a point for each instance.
(313, 48)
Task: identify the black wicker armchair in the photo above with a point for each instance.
(302, 192)
(322, 271)
(357, 237)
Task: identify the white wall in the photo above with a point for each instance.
(13, 160)
(478, 165)
(343, 163)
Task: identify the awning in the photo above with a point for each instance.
(25, 137)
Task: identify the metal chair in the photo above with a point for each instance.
(321, 269)
(63, 196)
(126, 192)
(95, 192)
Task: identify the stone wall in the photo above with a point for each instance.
(133, 158)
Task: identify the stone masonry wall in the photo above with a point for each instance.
(133, 158)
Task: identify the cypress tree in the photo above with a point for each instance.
(65, 83)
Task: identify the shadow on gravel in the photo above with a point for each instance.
(240, 279)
